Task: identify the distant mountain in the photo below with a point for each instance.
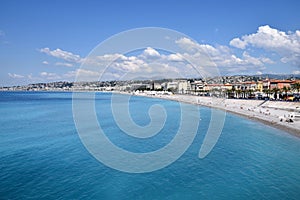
(278, 76)
(270, 76)
(142, 78)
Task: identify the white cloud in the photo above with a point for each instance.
(285, 44)
(12, 75)
(45, 62)
(151, 53)
(297, 72)
(175, 57)
(64, 64)
(29, 76)
(65, 55)
(150, 63)
(207, 59)
(50, 76)
(87, 72)
(247, 59)
(83, 75)
(102, 60)
(236, 42)
(267, 60)
(222, 57)
(43, 73)
(88, 75)
(131, 64)
(70, 74)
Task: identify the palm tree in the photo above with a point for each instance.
(296, 86)
(275, 90)
(233, 91)
(238, 93)
(249, 93)
(285, 90)
(228, 93)
(267, 92)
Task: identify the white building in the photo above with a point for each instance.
(183, 86)
(172, 86)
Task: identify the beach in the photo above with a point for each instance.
(268, 112)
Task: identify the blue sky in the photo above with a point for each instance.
(40, 41)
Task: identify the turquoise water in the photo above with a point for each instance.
(42, 157)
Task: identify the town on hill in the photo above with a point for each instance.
(241, 87)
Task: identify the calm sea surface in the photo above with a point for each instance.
(42, 157)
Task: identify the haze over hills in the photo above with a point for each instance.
(222, 83)
(162, 78)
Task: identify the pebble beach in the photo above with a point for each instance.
(268, 112)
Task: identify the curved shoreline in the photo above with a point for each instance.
(268, 113)
(291, 130)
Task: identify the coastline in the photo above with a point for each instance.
(266, 112)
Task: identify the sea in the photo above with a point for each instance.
(42, 155)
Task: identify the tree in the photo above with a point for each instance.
(228, 93)
(250, 93)
(296, 86)
(275, 90)
(233, 91)
(267, 92)
(238, 93)
(244, 92)
(285, 90)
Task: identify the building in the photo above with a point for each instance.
(249, 85)
(173, 86)
(184, 87)
(259, 86)
(156, 86)
(280, 84)
(139, 86)
(266, 84)
(197, 86)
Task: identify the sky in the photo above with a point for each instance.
(46, 41)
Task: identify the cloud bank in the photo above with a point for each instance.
(240, 56)
(285, 44)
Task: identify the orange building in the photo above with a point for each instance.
(280, 84)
